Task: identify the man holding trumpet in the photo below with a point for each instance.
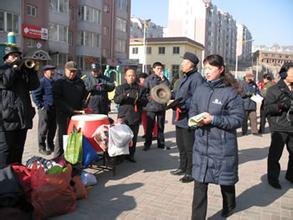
(16, 112)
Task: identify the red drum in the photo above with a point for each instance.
(88, 124)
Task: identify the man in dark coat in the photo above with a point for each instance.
(98, 86)
(249, 89)
(185, 135)
(69, 93)
(16, 111)
(131, 97)
(279, 109)
(43, 98)
(154, 109)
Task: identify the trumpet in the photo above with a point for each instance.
(30, 64)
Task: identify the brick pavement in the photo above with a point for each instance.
(146, 190)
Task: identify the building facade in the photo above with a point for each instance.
(244, 46)
(86, 31)
(203, 22)
(168, 51)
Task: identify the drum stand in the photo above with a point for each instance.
(108, 163)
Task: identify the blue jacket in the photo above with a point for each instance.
(43, 96)
(215, 150)
(249, 89)
(150, 82)
(186, 87)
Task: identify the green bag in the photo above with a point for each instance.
(73, 151)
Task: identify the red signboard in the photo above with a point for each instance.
(35, 32)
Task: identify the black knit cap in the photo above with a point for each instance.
(191, 57)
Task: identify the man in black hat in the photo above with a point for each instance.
(69, 94)
(98, 86)
(43, 98)
(16, 111)
(185, 135)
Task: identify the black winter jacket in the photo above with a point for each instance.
(16, 111)
(186, 87)
(99, 88)
(68, 95)
(127, 96)
(150, 82)
(279, 119)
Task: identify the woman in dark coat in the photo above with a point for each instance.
(215, 151)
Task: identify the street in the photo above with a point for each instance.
(147, 190)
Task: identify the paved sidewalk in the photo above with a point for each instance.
(146, 190)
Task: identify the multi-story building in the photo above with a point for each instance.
(266, 61)
(274, 48)
(244, 46)
(86, 31)
(151, 30)
(168, 51)
(203, 22)
(10, 19)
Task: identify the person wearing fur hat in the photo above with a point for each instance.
(16, 111)
(279, 110)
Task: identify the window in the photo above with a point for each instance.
(61, 6)
(30, 43)
(88, 39)
(2, 21)
(9, 23)
(58, 32)
(149, 50)
(31, 10)
(63, 33)
(135, 50)
(161, 50)
(122, 4)
(176, 50)
(106, 8)
(120, 46)
(59, 60)
(175, 69)
(53, 32)
(121, 24)
(89, 14)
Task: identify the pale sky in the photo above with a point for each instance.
(269, 21)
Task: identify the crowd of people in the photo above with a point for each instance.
(208, 150)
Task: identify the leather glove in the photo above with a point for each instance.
(249, 94)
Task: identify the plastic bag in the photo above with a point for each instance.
(52, 194)
(101, 136)
(120, 136)
(88, 152)
(73, 151)
(88, 179)
(24, 176)
(78, 188)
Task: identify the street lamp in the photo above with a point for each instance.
(145, 26)
(236, 58)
